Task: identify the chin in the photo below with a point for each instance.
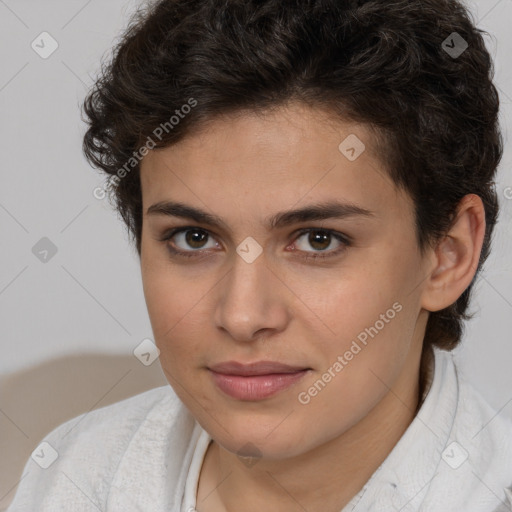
(260, 440)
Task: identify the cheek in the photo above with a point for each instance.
(356, 375)
(344, 302)
(177, 309)
(161, 301)
(169, 296)
(364, 318)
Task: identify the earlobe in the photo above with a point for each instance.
(456, 256)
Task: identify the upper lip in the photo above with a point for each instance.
(257, 368)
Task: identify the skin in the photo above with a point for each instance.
(285, 308)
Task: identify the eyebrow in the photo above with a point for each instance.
(321, 211)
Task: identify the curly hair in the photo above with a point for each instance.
(182, 63)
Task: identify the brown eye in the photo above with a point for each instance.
(195, 238)
(320, 240)
(192, 242)
(188, 241)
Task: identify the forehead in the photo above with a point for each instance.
(256, 161)
(285, 132)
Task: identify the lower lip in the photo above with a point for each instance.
(255, 387)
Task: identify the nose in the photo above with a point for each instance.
(251, 301)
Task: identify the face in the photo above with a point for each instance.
(333, 294)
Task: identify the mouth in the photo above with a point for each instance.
(257, 368)
(255, 381)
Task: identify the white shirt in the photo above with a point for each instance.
(145, 454)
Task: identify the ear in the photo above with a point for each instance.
(455, 258)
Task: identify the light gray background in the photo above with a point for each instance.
(69, 326)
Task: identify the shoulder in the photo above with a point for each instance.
(473, 462)
(480, 422)
(475, 417)
(111, 426)
(478, 425)
(484, 437)
(79, 459)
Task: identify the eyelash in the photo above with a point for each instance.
(345, 241)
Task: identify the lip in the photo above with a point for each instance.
(255, 381)
(257, 368)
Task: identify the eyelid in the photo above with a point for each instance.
(169, 233)
(336, 234)
(344, 239)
